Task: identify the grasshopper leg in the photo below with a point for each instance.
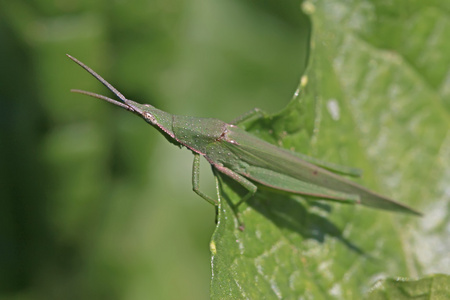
(247, 184)
(196, 180)
(254, 113)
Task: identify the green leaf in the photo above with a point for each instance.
(373, 100)
(435, 287)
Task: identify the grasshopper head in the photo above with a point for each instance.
(143, 110)
(150, 114)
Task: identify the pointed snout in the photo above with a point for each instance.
(135, 106)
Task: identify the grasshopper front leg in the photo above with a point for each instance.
(196, 180)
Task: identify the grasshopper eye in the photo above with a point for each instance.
(149, 117)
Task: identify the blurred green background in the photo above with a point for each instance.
(95, 204)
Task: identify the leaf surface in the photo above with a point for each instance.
(370, 99)
(435, 287)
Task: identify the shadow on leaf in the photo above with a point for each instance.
(288, 213)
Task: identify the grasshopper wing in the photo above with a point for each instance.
(280, 169)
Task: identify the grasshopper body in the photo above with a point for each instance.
(249, 160)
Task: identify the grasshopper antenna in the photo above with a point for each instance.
(103, 81)
(98, 96)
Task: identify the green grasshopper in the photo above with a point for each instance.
(249, 160)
